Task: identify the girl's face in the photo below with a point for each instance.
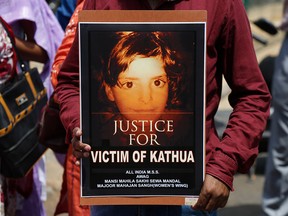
(142, 90)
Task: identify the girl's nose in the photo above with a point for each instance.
(145, 95)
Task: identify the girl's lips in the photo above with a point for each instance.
(145, 111)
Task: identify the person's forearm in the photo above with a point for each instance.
(30, 51)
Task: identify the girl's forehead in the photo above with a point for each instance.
(148, 67)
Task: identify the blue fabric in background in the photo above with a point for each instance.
(65, 11)
(188, 211)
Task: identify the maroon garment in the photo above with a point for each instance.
(230, 53)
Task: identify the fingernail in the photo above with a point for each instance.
(87, 148)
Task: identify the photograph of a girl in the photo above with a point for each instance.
(141, 97)
(140, 90)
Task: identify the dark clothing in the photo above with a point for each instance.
(65, 11)
(143, 210)
(230, 53)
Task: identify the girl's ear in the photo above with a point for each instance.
(109, 92)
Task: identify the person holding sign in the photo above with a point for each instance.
(229, 53)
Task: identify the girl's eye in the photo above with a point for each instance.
(159, 83)
(129, 84)
(125, 85)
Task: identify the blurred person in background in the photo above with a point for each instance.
(38, 34)
(275, 192)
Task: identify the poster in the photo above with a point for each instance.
(142, 89)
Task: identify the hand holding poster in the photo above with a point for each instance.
(142, 105)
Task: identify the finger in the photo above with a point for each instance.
(215, 203)
(211, 205)
(77, 162)
(77, 132)
(201, 202)
(86, 148)
(79, 154)
(216, 191)
(79, 146)
(223, 203)
(76, 143)
(76, 138)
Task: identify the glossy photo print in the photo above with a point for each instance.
(142, 107)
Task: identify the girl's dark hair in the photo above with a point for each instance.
(147, 44)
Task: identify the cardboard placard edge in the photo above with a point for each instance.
(142, 16)
(107, 16)
(139, 200)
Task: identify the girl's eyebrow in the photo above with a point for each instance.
(128, 78)
(164, 75)
(137, 78)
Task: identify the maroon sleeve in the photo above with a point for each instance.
(68, 90)
(249, 98)
(89, 5)
(68, 85)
